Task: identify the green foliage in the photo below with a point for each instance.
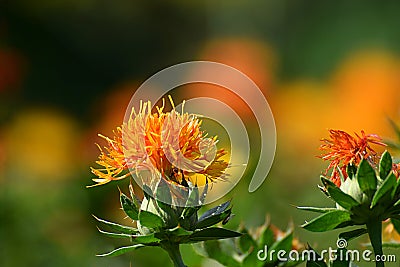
(215, 250)
(344, 200)
(129, 207)
(118, 227)
(328, 221)
(388, 186)
(318, 261)
(368, 198)
(351, 171)
(214, 215)
(366, 178)
(315, 209)
(385, 165)
(212, 234)
(352, 234)
(120, 251)
(165, 225)
(249, 250)
(150, 220)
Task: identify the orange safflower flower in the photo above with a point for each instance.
(168, 144)
(344, 149)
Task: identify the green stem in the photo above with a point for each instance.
(375, 235)
(174, 253)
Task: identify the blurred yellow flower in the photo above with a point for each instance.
(168, 144)
(42, 144)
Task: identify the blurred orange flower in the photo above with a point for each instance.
(343, 149)
(364, 82)
(389, 233)
(169, 144)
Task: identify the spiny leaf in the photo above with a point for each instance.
(214, 251)
(189, 211)
(246, 242)
(366, 178)
(145, 239)
(252, 260)
(326, 182)
(213, 234)
(285, 244)
(120, 228)
(267, 237)
(116, 235)
(396, 189)
(129, 207)
(315, 209)
(189, 219)
(328, 221)
(213, 219)
(120, 251)
(340, 197)
(150, 220)
(216, 210)
(385, 165)
(316, 260)
(178, 231)
(351, 170)
(388, 185)
(134, 198)
(353, 234)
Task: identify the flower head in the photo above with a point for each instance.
(111, 159)
(344, 149)
(168, 144)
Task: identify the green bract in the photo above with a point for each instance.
(168, 226)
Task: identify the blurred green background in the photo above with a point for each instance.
(68, 69)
